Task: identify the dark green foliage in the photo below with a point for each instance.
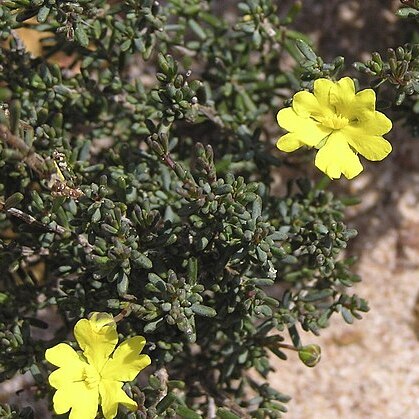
(410, 9)
(8, 412)
(143, 184)
(313, 66)
(400, 71)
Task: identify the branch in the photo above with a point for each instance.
(30, 157)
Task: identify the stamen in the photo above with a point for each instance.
(335, 121)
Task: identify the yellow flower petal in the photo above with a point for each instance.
(303, 131)
(126, 361)
(294, 140)
(289, 142)
(99, 320)
(288, 119)
(305, 104)
(342, 95)
(111, 395)
(336, 157)
(372, 123)
(97, 338)
(82, 401)
(346, 87)
(321, 91)
(372, 147)
(62, 355)
(365, 100)
(65, 375)
(309, 131)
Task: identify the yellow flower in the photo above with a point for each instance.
(338, 122)
(95, 376)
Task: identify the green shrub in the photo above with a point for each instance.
(139, 179)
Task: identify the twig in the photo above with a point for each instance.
(30, 157)
(28, 219)
(37, 163)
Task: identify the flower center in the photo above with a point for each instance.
(91, 377)
(335, 121)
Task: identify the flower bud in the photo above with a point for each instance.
(310, 354)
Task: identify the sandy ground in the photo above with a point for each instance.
(369, 369)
